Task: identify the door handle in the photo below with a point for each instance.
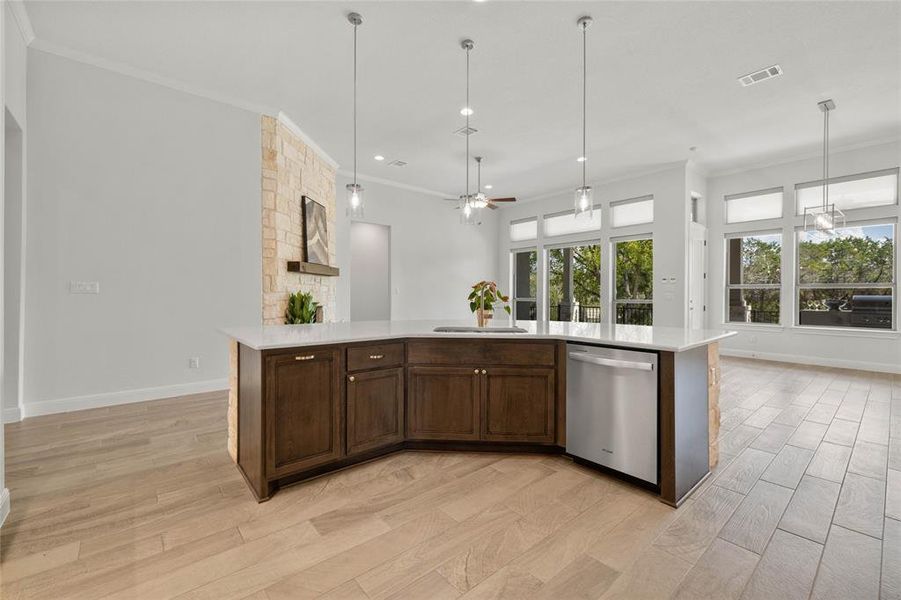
(611, 362)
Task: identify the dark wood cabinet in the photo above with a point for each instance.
(375, 409)
(303, 405)
(443, 403)
(518, 404)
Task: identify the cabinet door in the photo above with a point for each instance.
(303, 404)
(375, 409)
(518, 404)
(443, 403)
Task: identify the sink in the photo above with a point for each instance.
(479, 330)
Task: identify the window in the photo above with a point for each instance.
(525, 285)
(566, 222)
(847, 279)
(754, 206)
(753, 278)
(524, 229)
(632, 212)
(879, 188)
(574, 283)
(634, 280)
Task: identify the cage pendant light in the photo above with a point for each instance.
(355, 190)
(826, 217)
(468, 207)
(583, 204)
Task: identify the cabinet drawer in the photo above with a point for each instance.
(375, 356)
(479, 352)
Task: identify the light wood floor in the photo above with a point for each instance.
(141, 502)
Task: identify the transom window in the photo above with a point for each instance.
(754, 206)
(636, 211)
(524, 229)
(565, 222)
(847, 279)
(879, 188)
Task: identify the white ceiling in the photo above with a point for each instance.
(662, 78)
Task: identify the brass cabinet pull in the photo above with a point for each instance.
(352, 378)
(307, 357)
(484, 371)
(376, 356)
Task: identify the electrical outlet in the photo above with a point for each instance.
(194, 362)
(84, 287)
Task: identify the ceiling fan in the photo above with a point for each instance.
(480, 200)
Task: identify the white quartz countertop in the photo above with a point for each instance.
(671, 339)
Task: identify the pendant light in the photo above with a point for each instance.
(355, 190)
(480, 200)
(468, 209)
(583, 204)
(825, 218)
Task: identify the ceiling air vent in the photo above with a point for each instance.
(397, 163)
(464, 131)
(761, 75)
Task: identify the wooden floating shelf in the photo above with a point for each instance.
(296, 266)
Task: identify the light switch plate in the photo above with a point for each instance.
(84, 287)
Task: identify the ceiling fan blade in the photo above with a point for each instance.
(512, 199)
(491, 206)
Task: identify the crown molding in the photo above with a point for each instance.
(396, 184)
(20, 16)
(804, 156)
(148, 76)
(285, 120)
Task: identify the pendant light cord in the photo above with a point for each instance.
(355, 105)
(467, 108)
(584, 100)
(825, 159)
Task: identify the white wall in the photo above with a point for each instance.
(668, 231)
(434, 259)
(4, 493)
(370, 262)
(155, 194)
(878, 350)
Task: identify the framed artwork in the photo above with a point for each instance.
(315, 232)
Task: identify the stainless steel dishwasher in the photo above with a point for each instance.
(611, 409)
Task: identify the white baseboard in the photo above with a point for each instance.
(49, 407)
(12, 415)
(4, 505)
(817, 361)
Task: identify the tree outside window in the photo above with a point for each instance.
(754, 278)
(634, 278)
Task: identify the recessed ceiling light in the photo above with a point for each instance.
(488, 186)
(466, 111)
(692, 148)
(379, 157)
(581, 159)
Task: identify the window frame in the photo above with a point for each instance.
(797, 286)
(635, 200)
(731, 235)
(546, 311)
(614, 301)
(513, 297)
(761, 192)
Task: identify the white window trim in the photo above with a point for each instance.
(797, 287)
(774, 286)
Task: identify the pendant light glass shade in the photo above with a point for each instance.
(468, 211)
(355, 190)
(354, 200)
(583, 203)
(826, 217)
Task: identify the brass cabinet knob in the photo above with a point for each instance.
(476, 371)
(484, 371)
(352, 378)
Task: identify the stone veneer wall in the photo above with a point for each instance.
(290, 170)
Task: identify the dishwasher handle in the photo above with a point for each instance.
(611, 362)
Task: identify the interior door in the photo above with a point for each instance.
(697, 276)
(370, 264)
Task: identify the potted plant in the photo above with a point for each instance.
(483, 297)
(301, 309)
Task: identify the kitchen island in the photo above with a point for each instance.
(310, 399)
